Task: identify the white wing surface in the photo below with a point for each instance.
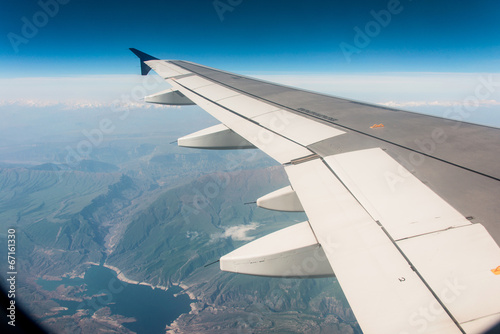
(402, 208)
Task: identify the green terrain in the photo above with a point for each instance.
(158, 213)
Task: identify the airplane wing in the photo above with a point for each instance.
(402, 208)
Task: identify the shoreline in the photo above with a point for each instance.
(184, 287)
(123, 278)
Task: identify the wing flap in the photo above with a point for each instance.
(166, 69)
(458, 265)
(451, 255)
(216, 92)
(285, 124)
(300, 129)
(248, 106)
(276, 146)
(194, 82)
(392, 195)
(382, 289)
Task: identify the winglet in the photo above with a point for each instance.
(143, 57)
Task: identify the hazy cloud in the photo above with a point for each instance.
(79, 104)
(383, 87)
(95, 88)
(237, 233)
(407, 104)
(429, 93)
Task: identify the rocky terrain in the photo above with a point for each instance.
(157, 214)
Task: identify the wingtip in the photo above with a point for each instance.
(142, 55)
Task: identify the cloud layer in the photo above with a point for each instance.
(419, 92)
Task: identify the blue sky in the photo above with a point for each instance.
(93, 37)
(424, 56)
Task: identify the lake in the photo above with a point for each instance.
(153, 309)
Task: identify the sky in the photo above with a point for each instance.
(93, 36)
(451, 43)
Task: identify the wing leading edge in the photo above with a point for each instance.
(404, 254)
